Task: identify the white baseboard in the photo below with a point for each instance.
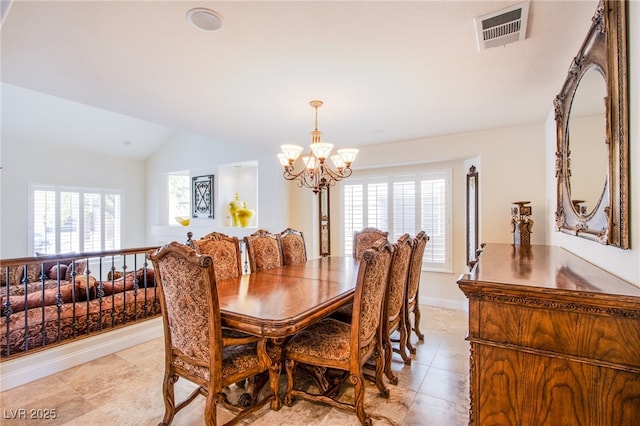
(445, 303)
(28, 368)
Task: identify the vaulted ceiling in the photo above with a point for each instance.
(98, 73)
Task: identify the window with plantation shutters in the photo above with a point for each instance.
(66, 220)
(399, 204)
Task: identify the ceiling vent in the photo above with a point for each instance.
(503, 27)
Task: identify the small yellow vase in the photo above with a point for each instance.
(245, 215)
(234, 206)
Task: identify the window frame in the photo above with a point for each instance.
(58, 189)
(416, 175)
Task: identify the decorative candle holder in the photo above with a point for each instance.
(521, 223)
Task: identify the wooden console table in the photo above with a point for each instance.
(554, 340)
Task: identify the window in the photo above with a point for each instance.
(406, 203)
(179, 196)
(73, 220)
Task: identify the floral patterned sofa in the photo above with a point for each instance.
(47, 302)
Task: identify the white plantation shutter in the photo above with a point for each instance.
(92, 214)
(403, 204)
(377, 205)
(112, 224)
(435, 220)
(69, 220)
(404, 209)
(353, 214)
(43, 222)
(73, 220)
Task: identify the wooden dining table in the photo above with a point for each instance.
(279, 302)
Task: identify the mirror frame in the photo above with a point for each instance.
(605, 47)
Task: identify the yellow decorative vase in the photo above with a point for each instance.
(245, 215)
(234, 206)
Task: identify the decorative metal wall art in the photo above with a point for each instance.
(202, 197)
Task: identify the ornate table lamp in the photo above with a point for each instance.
(521, 223)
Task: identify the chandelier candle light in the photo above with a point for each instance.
(317, 174)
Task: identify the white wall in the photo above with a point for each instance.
(26, 162)
(512, 169)
(622, 263)
(202, 156)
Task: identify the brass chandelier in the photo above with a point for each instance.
(317, 174)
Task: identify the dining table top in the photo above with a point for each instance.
(279, 302)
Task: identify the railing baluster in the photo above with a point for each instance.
(74, 305)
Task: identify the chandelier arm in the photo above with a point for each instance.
(322, 175)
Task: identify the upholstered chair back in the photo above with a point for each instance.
(191, 313)
(263, 251)
(215, 235)
(225, 251)
(293, 247)
(398, 277)
(365, 238)
(415, 268)
(373, 275)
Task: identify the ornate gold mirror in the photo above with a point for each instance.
(592, 134)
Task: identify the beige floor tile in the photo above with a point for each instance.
(446, 385)
(430, 411)
(126, 388)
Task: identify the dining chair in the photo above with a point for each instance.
(413, 286)
(365, 238)
(263, 250)
(393, 312)
(225, 251)
(195, 348)
(293, 247)
(227, 263)
(214, 235)
(394, 316)
(333, 344)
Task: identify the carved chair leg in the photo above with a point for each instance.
(402, 347)
(210, 409)
(388, 353)
(416, 324)
(408, 328)
(274, 384)
(358, 381)
(380, 367)
(169, 398)
(290, 367)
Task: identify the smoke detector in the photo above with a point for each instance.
(503, 27)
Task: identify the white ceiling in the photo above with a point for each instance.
(99, 73)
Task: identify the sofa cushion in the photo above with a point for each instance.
(85, 290)
(79, 269)
(34, 272)
(58, 271)
(35, 299)
(151, 280)
(117, 286)
(14, 275)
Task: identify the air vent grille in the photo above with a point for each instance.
(502, 27)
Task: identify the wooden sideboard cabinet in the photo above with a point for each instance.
(554, 340)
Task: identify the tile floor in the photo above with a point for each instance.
(125, 388)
